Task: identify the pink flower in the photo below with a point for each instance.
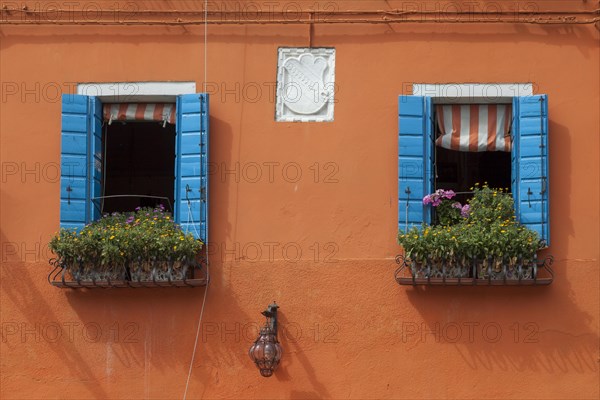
(435, 199)
(465, 211)
(449, 194)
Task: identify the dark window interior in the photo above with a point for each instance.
(139, 159)
(459, 170)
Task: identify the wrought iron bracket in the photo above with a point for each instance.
(69, 190)
(271, 314)
(404, 275)
(187, 190)
(62, 278)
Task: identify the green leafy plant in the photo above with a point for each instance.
(448, 212)
(117, 240)
(485, 229)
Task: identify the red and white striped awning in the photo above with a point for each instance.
(140, 112)
(474, 127)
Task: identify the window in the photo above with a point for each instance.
(86, 175)
(473, 144)
(419, 159)
(139, 159)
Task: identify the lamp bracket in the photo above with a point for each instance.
(271, 314)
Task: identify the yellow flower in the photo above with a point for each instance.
(174, 247)
(112, 237)
(503, 231)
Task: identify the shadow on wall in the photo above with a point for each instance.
(221, 143)
(291, 346)
(36, 323)
(539, 329)
(560, 160)
(91, 342)
(536, 329)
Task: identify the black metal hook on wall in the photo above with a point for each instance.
(187, 190)
(271, 314)
(408, 192)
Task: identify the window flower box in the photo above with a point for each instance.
(121, 249)
(478, 241)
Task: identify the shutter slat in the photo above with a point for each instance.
(192, 165)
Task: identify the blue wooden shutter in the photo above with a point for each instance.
(191, 165)
(74, 190)
(81, 160)
(95, 158)
(530, 180)
(415, 165)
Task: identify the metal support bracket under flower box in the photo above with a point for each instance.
(474, 273)
(161, 274)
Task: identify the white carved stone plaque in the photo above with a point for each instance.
(305, 84)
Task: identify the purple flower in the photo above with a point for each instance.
(457, 205)
(138, 208)
(449, 194)
(465, 211)
(130, 220)
(435, 199)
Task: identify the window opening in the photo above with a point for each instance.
(460, 170)
(139, 165)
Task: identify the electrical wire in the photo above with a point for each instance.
(187, 382)
(205, 44)
(191, 219)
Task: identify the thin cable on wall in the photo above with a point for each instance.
(187, 383)
(191, 218)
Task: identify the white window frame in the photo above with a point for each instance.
(131, 92)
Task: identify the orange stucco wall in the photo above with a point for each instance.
(349, 331)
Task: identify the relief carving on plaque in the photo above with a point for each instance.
(305, 84)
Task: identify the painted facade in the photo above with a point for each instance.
(304, 213)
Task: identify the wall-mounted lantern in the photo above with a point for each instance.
(266, 350)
